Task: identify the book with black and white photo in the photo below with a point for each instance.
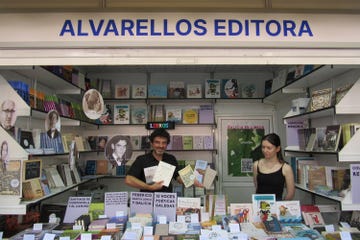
(332, 138)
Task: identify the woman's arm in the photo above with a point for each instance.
(289, 182)
(255, 166)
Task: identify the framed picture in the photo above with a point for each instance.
(240, 144)
(32, 169)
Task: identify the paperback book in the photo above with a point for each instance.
(212, 88)
(139, 91)
(157, 91)
(122, 91)
(321, 99)
(121, 113)
(193, 91)
(176, 89)
(139, 114)
(230, 88)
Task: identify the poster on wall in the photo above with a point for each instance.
(240, 144)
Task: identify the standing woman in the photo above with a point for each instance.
(272, 173)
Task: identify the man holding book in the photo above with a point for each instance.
(141, 172)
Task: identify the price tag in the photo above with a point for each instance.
(162, 219)
(345, 236)
(234, 227)
(64, 238)
(194, 218)
(136, 225)
(86, 236)
(181, 218)
(37, 226)
(29, 237)
(49, 236)
(216, 228)
(148, 237)
(105, 237)
(148, 231)
(330, 228)
(77, 227)
(110, 225)
(102, 216)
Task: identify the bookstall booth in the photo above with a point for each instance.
(123, 55)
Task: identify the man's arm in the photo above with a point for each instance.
(137, 183)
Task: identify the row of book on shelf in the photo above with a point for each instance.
(286, 76)
(167, 216)
(319, 99)
(138, 114)
(211, 88)
(327, 180)
(329, 138)
(37, 142)
(37, 99)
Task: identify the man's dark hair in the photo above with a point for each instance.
(160, 132)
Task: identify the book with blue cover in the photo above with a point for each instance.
(157, 91)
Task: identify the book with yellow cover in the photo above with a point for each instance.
(187, 176)
(190, 116)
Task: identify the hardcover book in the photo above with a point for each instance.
(212, 88)
(312, 215)
(139, 91)
(122, 91)
(193, 91)
(288, 211)
(243, 212)
(157, 91)
(121, 113)
(176, 89)
(198, 142)
(249, 91)
(263, 206)
(187, 142)
(105, 88)
(26, 139)
(230, 88)
(157, 113)
(174, 114)
(332, 138)
(321, 99)
(190, 116)
(267, 88)
(208, 142)
(32, 189)
(355, 182)
(340, 92)
(139, 114)
(206, 114)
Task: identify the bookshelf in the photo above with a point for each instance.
(347, 110)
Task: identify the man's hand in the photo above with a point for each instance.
(198, 184)
(156, 186)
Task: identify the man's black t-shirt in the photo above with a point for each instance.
(147, 160)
